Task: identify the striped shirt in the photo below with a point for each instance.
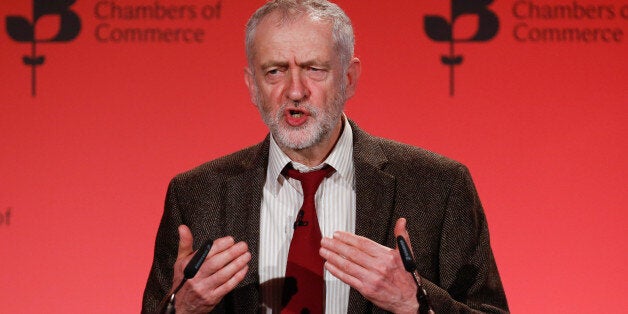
(335, 208)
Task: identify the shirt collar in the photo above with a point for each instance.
(340, 158)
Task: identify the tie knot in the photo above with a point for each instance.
(309, 180)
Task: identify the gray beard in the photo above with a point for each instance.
(305, 136)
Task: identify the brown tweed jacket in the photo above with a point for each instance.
(446, 222)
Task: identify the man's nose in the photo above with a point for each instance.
(297, 90)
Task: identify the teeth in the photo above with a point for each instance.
(296, 114)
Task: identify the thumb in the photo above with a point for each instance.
(400, 230)
(185, 242)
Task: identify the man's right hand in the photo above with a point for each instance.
(225, 266)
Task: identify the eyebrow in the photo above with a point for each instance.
(309, 63)
(283, 64)
(270, 64)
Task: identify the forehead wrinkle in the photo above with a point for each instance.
(279, 20)
(292, 56)
(278, 32)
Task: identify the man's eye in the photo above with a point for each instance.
(274, 74)
(315, 69)
(317, 73)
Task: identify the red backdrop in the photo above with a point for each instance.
(538, 114)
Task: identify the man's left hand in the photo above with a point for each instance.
(374, 270)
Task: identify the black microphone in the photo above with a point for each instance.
(197, 260)
(166, 306)
(410, 265)
(300, 222)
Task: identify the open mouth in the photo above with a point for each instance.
(295, 113)
(296, 116)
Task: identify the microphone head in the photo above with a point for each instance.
(406, 255)
(197, 260)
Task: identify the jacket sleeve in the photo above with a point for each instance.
(166, 246)
(469, 280)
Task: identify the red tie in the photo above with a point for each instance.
(304, 286)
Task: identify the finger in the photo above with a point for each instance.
(185, 242)
(343, 276)
(226, 251)
(345, 251)
(230, 284)
(401, 230)
(220, 245)
(200, 292)
(363, 244)
(400, 227)
(347, 269)
(220, 279)
(222, 275)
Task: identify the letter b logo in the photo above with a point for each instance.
(440, 29)
(21, 29)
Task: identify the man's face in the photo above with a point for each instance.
(297, 83)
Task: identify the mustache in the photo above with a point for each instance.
(303, 105)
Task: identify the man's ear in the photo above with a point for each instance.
(353, 74)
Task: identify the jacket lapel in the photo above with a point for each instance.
(243, 198)
(375, 191)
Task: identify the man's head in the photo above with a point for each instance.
(301, 70)
(291, 10)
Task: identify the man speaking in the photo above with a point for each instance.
(307, 220)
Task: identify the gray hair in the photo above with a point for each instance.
(342, 31)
